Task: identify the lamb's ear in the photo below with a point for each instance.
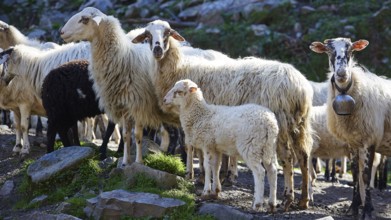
(176, 35)
(318, 47)
(359, 45)
(140, 38)
(5, 55)
(97, 19)
(193, 89)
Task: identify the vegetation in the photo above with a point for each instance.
(168, 163)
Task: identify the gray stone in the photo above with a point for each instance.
(223, 212)
(103, 5)
(326, 218)
(36, 34)
(148, 146)
(64, 207)
(41, 215)
(307, 9)
(57, 161)
(260, 29)
(114, 204)
(163, 179)
(7, 188)
(40, 198)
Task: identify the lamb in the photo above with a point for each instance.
(278, 86)
(357, 112)
(121, 72)
(247, 130)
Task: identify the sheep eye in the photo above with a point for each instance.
(84, 20)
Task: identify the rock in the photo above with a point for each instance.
(116, 203)
(39, 199)
(307, 9)
(103, 5)
(260, 29)
(223, 212)
(57, 161)
(41, 215)
(64, 207)
(326, 218)
(7, 188)
(163, 179)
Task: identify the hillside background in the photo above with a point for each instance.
(273, 29)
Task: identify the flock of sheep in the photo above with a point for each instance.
(250, 108)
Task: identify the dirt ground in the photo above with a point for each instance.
(330, 199)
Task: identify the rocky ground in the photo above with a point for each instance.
(329, 199)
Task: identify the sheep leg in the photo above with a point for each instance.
(24, 124)
(63, 132)
(232, 173)
(271, 170)
(333, 172)
(39, 128)
(366, 157)
(105, 141)
(383, 174)
(18, 142)
(356, 200)
(138, 133)
(75, 136)
(216, 165)
(127, 129)
(327, 170)
(287, 166)
(342, 171)
(189, 162)
(208, 157)
(303, 158)
(201, 177)
(51, 137)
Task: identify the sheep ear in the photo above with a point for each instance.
(5, 55)
(97, 19)
(176, 35)
(318, 47)
(193, 89)
(359, 45)
(140, 38)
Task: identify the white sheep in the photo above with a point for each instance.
(247, 130)
(121, 72)
(30, 65)
(278, 86)
(358, 111)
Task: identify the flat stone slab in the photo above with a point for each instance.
(41, 215)
(116, 203)
(163, 179)
(57, 161)
(223, 212)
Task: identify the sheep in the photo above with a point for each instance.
(121, 72)
(278, 86)
(11, 36)
(247, 130)
(357, 112)
(31, 65)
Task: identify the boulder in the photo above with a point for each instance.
(42, 215)
(7, 188)
(57, 161)
(117, 203)
(163, 179)
(223, 212)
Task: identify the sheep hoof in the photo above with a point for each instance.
(272, 208)
(288, 203)
(303, 204)
(257, 207)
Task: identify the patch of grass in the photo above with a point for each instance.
(168, 163)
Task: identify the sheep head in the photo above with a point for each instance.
(157, 34)
(340, 52)
(82, 26)
(182, 89)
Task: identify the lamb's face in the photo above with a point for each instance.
(157, 34)
(82, 26)
(340, 52)
(178, 93)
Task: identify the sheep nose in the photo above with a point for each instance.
(158, 52)
(341, 72)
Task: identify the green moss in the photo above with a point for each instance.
(168, 163)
